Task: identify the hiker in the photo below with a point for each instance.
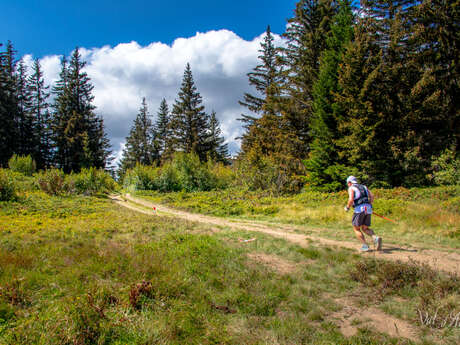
(361, 199)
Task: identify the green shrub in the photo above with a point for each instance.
(266, 173)
(167, 181)
(90, 181)
(22, 164)
(52, 181)
(224, 175)
(141, 177)
(446, 169)
(183, 172)
(87, 181)
(192, 175)
(7, 186)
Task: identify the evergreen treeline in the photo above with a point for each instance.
(66, 134)
(186, 128)
(372, 90)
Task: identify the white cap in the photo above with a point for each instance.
(352, 179)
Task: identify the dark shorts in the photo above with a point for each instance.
(361, 219)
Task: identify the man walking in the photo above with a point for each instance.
(361, 198)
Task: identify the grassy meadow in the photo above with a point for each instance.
(80, 269)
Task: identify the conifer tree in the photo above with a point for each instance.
(323, 164)
(163, 131)
(25, 121)
(40, 112)
(357, 84)
(8, 105)
(266, 80)
(60, 117)
(78, 132)
(189, 121)
(262, 77)
(434, 49)
(217, 150)
(305, 35)
(375, 83)
(139, 144)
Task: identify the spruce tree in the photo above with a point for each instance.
(305, 36)
(189, 121)
(433, 125)
(25, 121)
(163, 131)
(217, 150)
(262, 77)
(59, 117)
(357, 82)
(40, 112)
(139, 144)
(8, 105)
(323, 165)
(375, 82)
(266, 80)
(79, 136)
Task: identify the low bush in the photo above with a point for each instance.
(446, 169)
(435, 291)
(167, 180)
(225, 176)
(266, 173)
(141, 177)
(52, 181)
(7, 186)
(192, 175)
(389, 277)
(22, 164)
(90, 181)
(184, 172)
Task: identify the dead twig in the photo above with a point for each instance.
(99, 310)
(225, 308)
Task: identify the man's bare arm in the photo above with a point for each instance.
(351, 197)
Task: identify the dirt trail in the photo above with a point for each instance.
(449, 262)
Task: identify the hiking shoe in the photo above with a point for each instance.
(378, 242)
(364, 248)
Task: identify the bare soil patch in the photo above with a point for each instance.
(273, 262)
(351, 317)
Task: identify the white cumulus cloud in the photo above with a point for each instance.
(123, 74)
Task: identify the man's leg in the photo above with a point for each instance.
(359, 234)
(377, 240)
(357, 222)
(368, 230)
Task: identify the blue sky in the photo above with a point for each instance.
(44, 27)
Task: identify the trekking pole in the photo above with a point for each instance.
(378, 215)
